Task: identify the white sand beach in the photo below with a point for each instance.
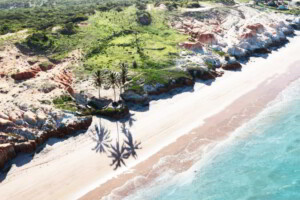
(70, 169)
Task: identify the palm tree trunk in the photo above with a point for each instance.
(99, 93)
(114, 93)
(120, 92)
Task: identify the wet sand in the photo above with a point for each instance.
(201, 139)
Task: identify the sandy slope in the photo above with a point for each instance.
(68, 169)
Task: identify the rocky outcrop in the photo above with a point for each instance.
(30, 118)
(10, 150)
(262, 51)
(203, 73)
(192, 45)
(133, 97)
(173, 84)
(232, 66)
(65, 79)
(7, 152)
(21, 76)
(5, 123)
(98, 103)
(82, 123)
(117, 113)
(206, 38)
(25, 147)
(258, 28)
(296, 24)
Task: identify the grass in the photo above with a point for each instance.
(65, 102)
(153, 77)
(117, 37)
(157, 41)
(220, 53)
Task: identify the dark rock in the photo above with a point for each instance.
(232, 66)
(262, 51)
(98, 103)
(272, 4)
(32, 62)
(26, 74)
(193, 5)
(144, 18)
(25, 147)
(133, 97)
(7, 152)
(173, 84)
(203, 73)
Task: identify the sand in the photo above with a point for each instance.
(70, 169)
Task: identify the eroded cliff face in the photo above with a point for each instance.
(22, 139)
(27, 115)
(237, 31)
(218, 38)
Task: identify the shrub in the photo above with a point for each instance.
(119, 9)
(103, 8)
(39, 41)
(141, 6)
(193, 5)
(79, 18)
(134, 64)
(4, 29)
(144, 18)
(69, 29)
(62, 99)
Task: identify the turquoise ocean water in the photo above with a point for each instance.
(260, 161)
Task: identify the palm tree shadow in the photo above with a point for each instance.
(102, 138)
(130, 145)
(119, 151)
(128, 119)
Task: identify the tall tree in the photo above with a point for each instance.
(98, 80)
(123, 76)
(113, 82)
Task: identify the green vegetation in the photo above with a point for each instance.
(41, 18)
(69, 29)
(65, 102)
(123, 39)
(291, 11)
(220, 53)
(153, 76)
(115, 113)
(39, 41)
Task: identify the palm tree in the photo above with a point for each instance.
(123, 75)
(98, 80)
(113, 82)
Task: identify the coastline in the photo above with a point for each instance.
(81, 170)
(215, 130)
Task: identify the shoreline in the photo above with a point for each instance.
(225, 122)
(70, 169)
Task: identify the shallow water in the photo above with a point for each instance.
(261, 160)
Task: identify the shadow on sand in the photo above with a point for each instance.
(115, 149)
